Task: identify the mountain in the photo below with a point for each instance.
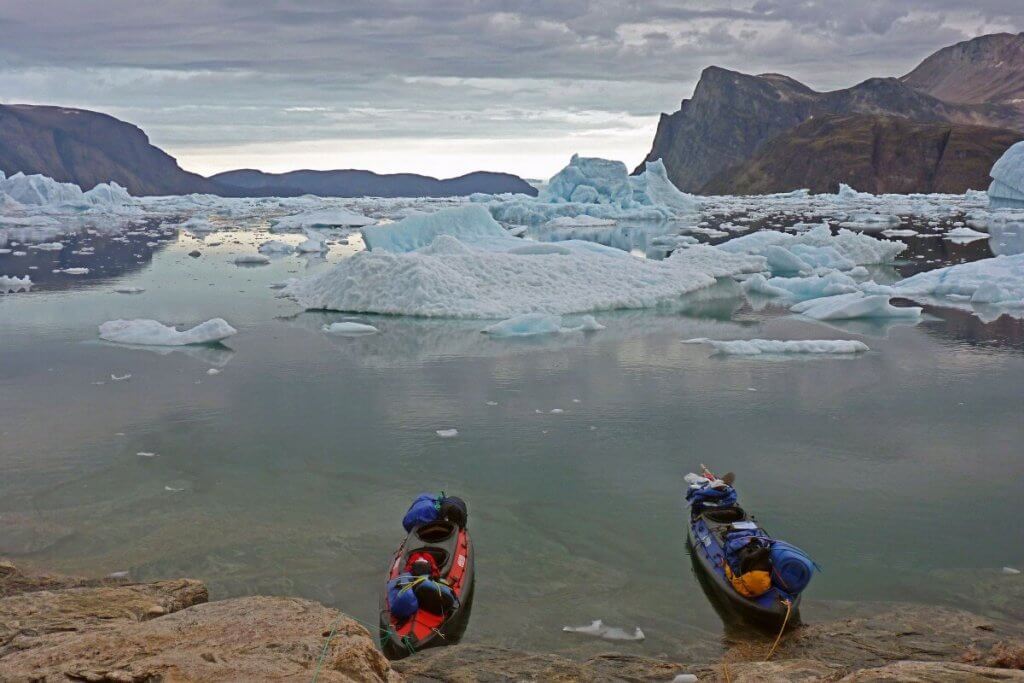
(355, 183)
(877, 154)
(985, 69)
(731, 115)
(88, 148)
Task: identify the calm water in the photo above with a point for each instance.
(288, 472)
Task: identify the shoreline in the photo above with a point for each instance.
(60, 628)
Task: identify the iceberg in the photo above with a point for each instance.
(1007, 188)
(532, 324)
(755, 347)
(322, 218)
(602, 189)
(468, 224)
(965, 235)
(153, 333)
(998, 280)
(42, 191)
(251, 260)
(461, 263)
(814, 249)
(801, 288)
(276, 247)
(350, 329)
(855, 305)
(10, 284)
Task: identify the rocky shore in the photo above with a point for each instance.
(55, 628)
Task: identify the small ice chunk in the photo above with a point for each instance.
(13, 283)
(173, 489)
(755, 347)
(598, 629)
(121, 378)
(1010, 571)
(251, 260)
(129, 290)
(153, 333)
(117, 575)
(213, 371)
(47, 246)
(350, 329)
(965, 234)
(276, 247)
(447, 433)
(146, 454)
(526, 325)
(557, 411)
(492, 403)
(75, 271)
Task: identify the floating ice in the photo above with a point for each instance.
(447, 433)
(252, 260)
(600, 188)
(10, 284)
(153, 333)
(129, 290)
(276, 247)
(322, 218)
(314, 244)
(1011, 571)
(900, 232)
(754, 347)
(531, 324)
(350, 329)
(213, 371)
(855, 305)
(469, 224)
(146, 454)
(1007, 188)
(598, 629)
(121, 378)
(814, 249)
(997, 280)
(964, 234)
(801, 288)
(73, 271)
(579, 222)
(47, 246)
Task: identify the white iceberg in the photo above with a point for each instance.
(350, 329)
(815, 249)
(470, 224)
(598, 629)
(855, 305)
(1007, 188)
(755, 347)
(321, 218)
(801, 288)
(153, 333)
(998, 280)
(276, 247)
(252, 260)
(532, 324)
(449, 278)
(965, 234)
(10, 284)
(600, 188)
(447, 433)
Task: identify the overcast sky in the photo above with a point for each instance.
(441, 86)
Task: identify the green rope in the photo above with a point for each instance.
(327, 643)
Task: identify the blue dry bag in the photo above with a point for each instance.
(792, 569)
(403, 604)
(426, 508)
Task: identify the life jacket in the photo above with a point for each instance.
(751, 584)
(422, 555)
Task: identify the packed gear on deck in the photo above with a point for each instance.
(753, 561)
(428, 508)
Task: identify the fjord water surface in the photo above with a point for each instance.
(288, 470)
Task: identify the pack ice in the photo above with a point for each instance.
(998, 280)
(153, 333)
(756, 347)
(815, 251)
(461, 263)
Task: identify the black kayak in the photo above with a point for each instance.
(706, 540)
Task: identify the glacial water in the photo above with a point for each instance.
(282, 462)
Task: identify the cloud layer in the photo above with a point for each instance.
(447, 85)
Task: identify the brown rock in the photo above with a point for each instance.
(934, 672)
(245, 639)
(29, 617)
(877, 154)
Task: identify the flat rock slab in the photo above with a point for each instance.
(244, 639)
